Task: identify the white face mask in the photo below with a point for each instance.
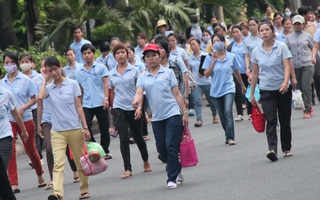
(10, 68)
(25, 66)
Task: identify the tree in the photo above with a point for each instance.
(62, 15)
(32, 17)
(7, 33)
(144, 14)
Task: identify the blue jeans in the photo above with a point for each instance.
(197, 97)
(168, 135)
(224, 106)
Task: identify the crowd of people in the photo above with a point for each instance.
(127, 86)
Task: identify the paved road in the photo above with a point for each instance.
(240, 172)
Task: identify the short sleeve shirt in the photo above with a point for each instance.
(6, 105)
(23, 89)
(194, 63)
(317, 36)
(159, 93)
(92, 84)
(124, 86)
(180, 52)
(271, 69)
(63, 113)
(71, 73)
(37, 80)
(77, 49)
(222, 81)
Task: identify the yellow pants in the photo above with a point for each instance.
(60, 140)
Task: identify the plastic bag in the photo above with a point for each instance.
(297, 101)
(89, 167)
(188, 153)
(256, 93)
(257, 119)
(95, 151)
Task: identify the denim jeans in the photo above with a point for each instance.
(224, 106)
(197, 97)
(122, 119)
(168, 135)
(276, 104)
(103, 121)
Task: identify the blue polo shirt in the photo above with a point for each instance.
(250, 43)
(140, 66)
(77, 49)
(63, 113)
(111, 62)
(159, 93)
(71, 73)
(237, 49)
(281, 37)
(23, 89)
(194, 63)
(124, 86)
(222, 82)
(92, 84)
(46, 110)
(138, 51)
(271, 71)
(102, 60)
(180, 52)
(317, 36)
(6, 105)
(166, 33)
(37, 80)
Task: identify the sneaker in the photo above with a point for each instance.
(287, 154)
(191, 112)
(272, 155)
(232, 142)
(180, 178)
(198, 124)
(215, 119)
(171, 185)
(239, 118)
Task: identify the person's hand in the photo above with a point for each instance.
(135, 104)
(214, 57)
(253, 100)
(86, 135)
(244, 89)
(40, 132)
(186, 102)
(200, 75)
(24, 136)
(248, 72)
(249, 78)
(105, 104)
(44, 74)
(185, 119)
(314, 60)
(284, 88)
(294, 82)
(138, 113)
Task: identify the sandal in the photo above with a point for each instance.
(126, 174)
(147, 167)
(49, 186)
(85, 195)
(54, 197)
(42, 184)
(146, 138)
(15, 189)
(76, 179)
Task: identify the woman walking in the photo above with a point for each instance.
(167, 106)
(69, 125)
(221, 66)
(270, 63)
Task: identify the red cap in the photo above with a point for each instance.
(151, 47)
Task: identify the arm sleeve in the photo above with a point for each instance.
(207, 62)
(11, 101)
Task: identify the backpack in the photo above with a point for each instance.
(179, 75)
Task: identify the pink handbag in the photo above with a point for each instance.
(188, 153)
(92, 168)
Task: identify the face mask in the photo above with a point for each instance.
(194, 24)
(10, 68)
(25, 66)
(218, 46)
(288, 14)
(205, 39)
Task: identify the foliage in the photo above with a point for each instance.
(63, 15)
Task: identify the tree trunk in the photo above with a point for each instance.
(32, 18)
(220, 14)
(7, 35)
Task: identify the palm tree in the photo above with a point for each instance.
(144, 14)
(62, 15)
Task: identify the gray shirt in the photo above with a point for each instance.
(300, 44)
